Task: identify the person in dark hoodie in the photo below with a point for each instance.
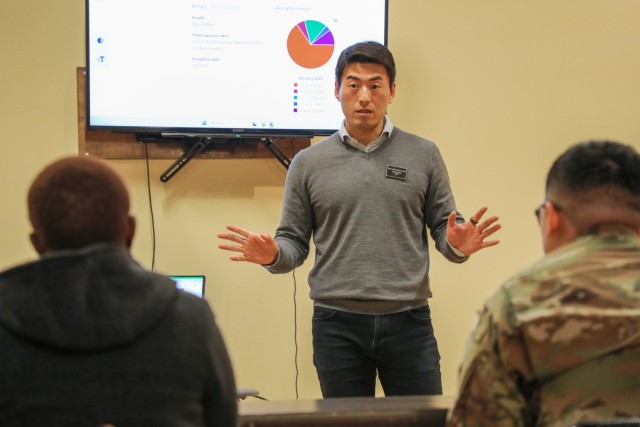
(88, 336)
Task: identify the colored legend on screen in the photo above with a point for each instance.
(310, 44)
(308, 96)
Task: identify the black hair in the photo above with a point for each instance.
(603, 167)
(366, 52)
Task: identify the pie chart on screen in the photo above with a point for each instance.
(310, 44)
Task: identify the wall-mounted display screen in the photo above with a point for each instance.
(221, 67)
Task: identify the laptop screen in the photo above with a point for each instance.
(192, 284)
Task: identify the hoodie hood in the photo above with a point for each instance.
(83, 300)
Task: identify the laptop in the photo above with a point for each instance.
(193, 284)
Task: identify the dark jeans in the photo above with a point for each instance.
(350, 349)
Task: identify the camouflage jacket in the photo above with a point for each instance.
(559, 342)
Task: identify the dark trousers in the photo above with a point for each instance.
(349, 350)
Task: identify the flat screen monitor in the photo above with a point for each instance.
(221, 67)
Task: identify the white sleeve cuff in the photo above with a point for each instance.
(455, 251)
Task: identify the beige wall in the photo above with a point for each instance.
(502, 86)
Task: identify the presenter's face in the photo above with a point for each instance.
(364, 94)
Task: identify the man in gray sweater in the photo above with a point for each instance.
(367, 194)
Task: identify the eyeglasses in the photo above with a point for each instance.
(538, 212)
(539, 209)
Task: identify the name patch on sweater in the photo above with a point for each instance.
(395, 172)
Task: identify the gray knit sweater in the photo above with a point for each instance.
(368, 214)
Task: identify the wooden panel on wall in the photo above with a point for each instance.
(111, 145)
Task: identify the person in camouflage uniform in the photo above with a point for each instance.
(559, 343)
